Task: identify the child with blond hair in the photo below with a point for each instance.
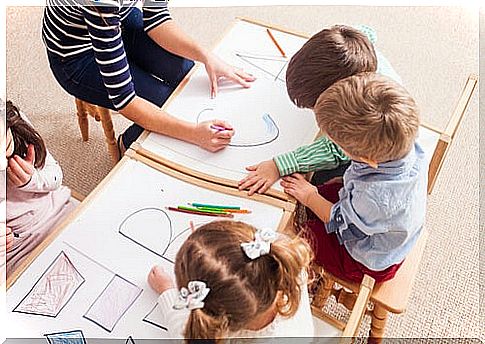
(234, 280)
(370, 223)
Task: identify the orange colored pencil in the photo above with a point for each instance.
(276, 43)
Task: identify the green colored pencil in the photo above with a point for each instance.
(201, 205)
(211, 211)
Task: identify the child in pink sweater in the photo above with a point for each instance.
(36, 200)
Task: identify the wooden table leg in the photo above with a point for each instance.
(378, 324)
(109, 134)
(82, 119)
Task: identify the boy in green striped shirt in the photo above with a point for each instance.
(327, 57)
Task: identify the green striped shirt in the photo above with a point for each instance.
(322, 154)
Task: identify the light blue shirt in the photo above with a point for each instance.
(381, 211)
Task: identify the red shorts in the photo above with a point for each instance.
(334, 257)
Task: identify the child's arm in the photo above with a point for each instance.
(307, 194)
(322, 154)
(46, 179)
(173, 319)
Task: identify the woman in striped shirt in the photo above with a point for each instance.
(111, 53)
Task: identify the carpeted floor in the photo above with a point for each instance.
(434, 49)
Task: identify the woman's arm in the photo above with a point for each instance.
(154, 119)
(169, 36)
(103, 25)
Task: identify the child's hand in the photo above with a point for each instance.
(159, 280)
(20, 171)
(212, 139)
(260, 178)
(297, 186)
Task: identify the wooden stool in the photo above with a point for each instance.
(100, 114)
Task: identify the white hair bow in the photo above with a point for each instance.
(193, 296)
(261, 244)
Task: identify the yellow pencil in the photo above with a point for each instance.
(276, 43)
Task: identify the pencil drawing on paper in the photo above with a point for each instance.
(153, 317)
(113, 302)
(53, 290)
(257, 134)
(152, 229)
(70, 337)
(130, 340)
(273, 66)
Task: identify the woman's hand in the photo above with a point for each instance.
(211, 139)
(20, 171)
(159, 280)
(216, 68)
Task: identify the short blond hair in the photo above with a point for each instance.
(369, 116)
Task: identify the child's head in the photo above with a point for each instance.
(20, 134)
(328, 56)
(240, 288)
(369, 116)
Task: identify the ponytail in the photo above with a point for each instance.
(203, 326)
(293, 256)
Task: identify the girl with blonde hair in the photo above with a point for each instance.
(236, 281)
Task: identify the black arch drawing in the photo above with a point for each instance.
(271, 126)
(164, 247)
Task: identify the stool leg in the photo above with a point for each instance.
(109, 133)
(324, 289)
(82, 119)
(378, 324)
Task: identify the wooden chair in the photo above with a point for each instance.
(99, 113)
(392, 296)
(338, 328)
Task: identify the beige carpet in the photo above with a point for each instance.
(432, 48)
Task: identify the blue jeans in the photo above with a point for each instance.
(155, 72)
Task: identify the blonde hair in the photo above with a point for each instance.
(369, 116)
(240, 288)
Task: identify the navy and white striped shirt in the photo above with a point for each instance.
(72, 27)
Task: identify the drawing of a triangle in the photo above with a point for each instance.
(273, 66)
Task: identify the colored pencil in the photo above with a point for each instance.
(219, 128)
(236, 211)
(202, 205)
(200, 212)
(217, 211)
(276, 43)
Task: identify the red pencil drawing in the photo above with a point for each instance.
(53, 290)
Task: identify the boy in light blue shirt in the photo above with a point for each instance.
(373, 222)
(330, 55)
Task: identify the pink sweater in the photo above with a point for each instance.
(34, 210)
